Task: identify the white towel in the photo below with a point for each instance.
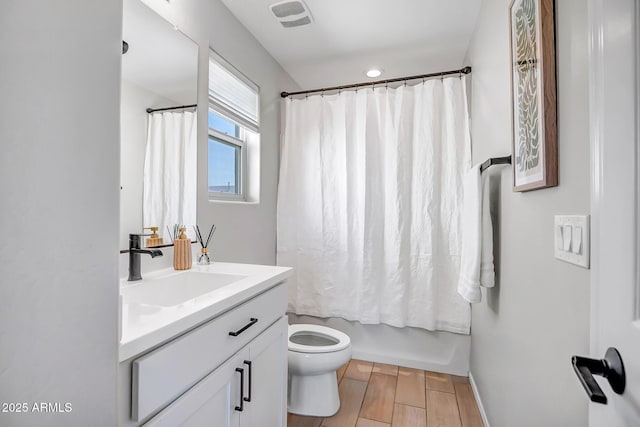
(476, 255)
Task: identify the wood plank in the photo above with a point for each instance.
(359, 370)
(379, 399)
(351, 396)
(439, 382)
(341, 370)
(294, 420)
(467, 405)
(409, 416)
(363, 422)
(459, 379)
(442, 409)
(411, 387)
(383, 368)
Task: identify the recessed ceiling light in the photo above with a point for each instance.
(374, 72)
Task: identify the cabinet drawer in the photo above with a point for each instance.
(164, 374)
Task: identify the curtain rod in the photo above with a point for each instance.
(153, 110)
(465, 70)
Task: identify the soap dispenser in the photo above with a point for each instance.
(154, 239)
(182, 251)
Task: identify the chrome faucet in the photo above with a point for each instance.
(134, 252)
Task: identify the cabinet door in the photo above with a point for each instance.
(212, 401)
(268, 358)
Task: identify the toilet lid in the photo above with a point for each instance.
(305, 338)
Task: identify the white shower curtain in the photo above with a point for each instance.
(369, 204)
(169, 188)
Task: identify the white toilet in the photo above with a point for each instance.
(315, 353)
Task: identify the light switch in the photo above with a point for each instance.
(559, 241)
(566, 238)
(576, 239)
(572, 239)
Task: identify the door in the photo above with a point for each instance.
(615, 289)
(268, 373)
(217, 400)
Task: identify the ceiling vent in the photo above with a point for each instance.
(291, 13)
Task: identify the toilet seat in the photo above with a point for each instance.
(343, 340)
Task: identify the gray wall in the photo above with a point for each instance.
(59, 132)
(527, 327)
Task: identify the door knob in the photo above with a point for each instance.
(611, 368)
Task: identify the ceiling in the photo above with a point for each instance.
(347, 37)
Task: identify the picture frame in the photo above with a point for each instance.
(533, 92)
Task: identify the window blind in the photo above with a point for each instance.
(232, 94)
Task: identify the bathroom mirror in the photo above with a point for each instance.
(159, 70)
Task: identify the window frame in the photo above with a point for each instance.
(241, 163)
(248, 169)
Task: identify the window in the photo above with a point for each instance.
(226, 157)
(233, 121)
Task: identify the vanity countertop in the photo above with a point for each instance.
(167, 303)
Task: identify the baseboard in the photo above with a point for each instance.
(409, 363)
(476, 394)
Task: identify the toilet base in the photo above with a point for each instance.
(314, 395)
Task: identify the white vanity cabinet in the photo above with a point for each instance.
(246, 391)
(229, 372)
(211, 402)
(268, 356)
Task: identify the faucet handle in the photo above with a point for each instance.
(134, 235)
(134, 240)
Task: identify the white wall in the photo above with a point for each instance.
(528, 326)
(397, 61)
(59, 131)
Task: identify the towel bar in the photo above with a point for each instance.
(506, 160)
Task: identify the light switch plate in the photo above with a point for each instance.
(571, 239)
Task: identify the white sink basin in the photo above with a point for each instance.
(177, 288)
(167, 303)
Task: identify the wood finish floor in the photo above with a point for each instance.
(379, 395)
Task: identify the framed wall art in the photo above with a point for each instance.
(533, 89)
